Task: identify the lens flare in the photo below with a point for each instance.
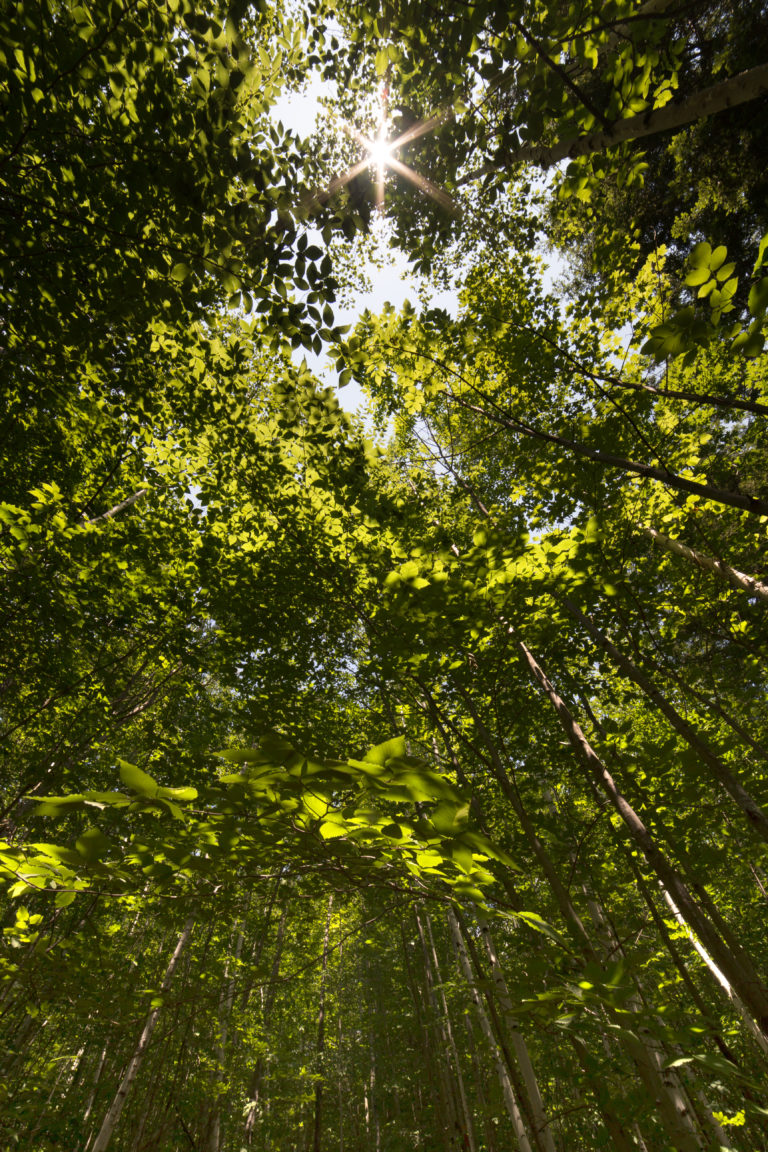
(380, 152)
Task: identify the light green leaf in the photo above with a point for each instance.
(137, 780)
(389, 750)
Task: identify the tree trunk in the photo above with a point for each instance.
(718, 974)
(468, 1140)
(718, 770)
(510, 1100)
(671, 479)
(621, 1139)
(741, 89)
(730, 959)
(113, 1115)
(254, 1089)
(320, 1045)
(732, 575)
(542, 1129)
(456, 1118)
(437, 1087)
(226, 1001)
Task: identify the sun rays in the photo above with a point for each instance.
(381, 155)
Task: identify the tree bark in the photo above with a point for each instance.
(254, 1088)
(226, 1001)
(320, 1044)
(732, 575)
(454, 1116)
(729, 957)
(719, 771)
(468, 1134)
(741, 89)
(543, 1131)
(436, 1085)
(671, 479)
(510, 1100)
(113, 1115)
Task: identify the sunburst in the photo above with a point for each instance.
(381, 154)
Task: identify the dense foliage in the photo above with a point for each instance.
(395, 795)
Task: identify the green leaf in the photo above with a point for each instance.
(726, 270)
(750, 343)
(717, 257)
(700, 255)
(92, 845)
(137, 780)
(382, 62)
(389, 750)
(761, 253)
(449, 818)
(757, 301)
(184, 795)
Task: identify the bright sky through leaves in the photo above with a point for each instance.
(389, 277)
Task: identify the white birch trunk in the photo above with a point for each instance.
(468, 1126)
(510, 1100)
(749, 85)
(716, 972)
(113, 1115)
(732, 575)
(544, 1131)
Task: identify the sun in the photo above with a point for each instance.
(380, 152)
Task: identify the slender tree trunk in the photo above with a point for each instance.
(731, 575)
(425, 1030)
(510, 1100)
(451, 1113)
(680, 964)
(92, 1094)
(226, 1001)
(675, 1123)
(477, 1068)
(44, 1109)
(562, 897)
(719, 771)
(502, 1038)
(619, 1136)
(671, 1113)
(718, 974)
(674, 1101)
(373, 1100)
(320, 1045)
(113, 1115)
(340, 1044)
(542, 1128)
(468, 1139)
(665, 476)
(731, 959)
(254, 1088)
(712, 706)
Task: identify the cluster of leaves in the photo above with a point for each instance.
(280, 802)
(712, 274)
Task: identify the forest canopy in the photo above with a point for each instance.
(395, 782)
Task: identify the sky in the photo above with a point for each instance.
(390, 283)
